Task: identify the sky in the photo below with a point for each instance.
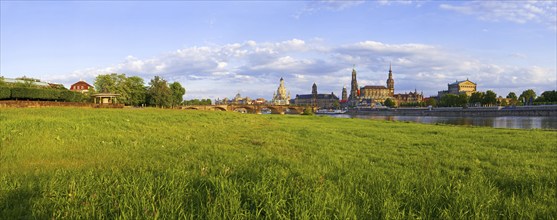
(216, 49)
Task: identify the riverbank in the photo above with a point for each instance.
(151, 163)
(541, 111)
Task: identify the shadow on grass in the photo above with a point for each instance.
(17, 204)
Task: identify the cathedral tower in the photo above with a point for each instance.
(344, 93)
(314, 91)
(354, 86)
(391, 81)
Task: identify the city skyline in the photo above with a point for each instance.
(216, 49)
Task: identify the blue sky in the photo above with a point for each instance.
(216, 49)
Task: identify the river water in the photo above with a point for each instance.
(496, 122)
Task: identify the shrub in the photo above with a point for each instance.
(35, 93)
(71, 96)
(5, 93)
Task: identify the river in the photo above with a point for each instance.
(496, 122)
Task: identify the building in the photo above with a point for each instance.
(281, 97)
(354, 97)
(80, 86)
(378, 93)
(344, 94)
(411, 97)
(238, 100)
(459, 87)
(324, 101)
(27, 81)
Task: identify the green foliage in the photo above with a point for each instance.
(133, 164)
(71, 96)
(431, 102)
(527, 96)
(476, 97)
(336, 104)
(2, 82)
(490, 98)
(198, 102)
(109, 83)
(35, 93)
(451, 100)
(159, 94)
(136, 92)
(514, 99)
(5, 93)
(308, 111)
(547, 96)
(389, 103)
(178, 93)
(132, 89)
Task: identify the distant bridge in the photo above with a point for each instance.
(253, 109)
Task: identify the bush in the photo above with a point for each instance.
(5, 93)
(71, 96)
(35, 93)
(307, 111)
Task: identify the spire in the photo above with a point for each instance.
(390, 67)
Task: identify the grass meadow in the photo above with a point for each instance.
(82, 163)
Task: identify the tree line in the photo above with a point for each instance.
(488, 98)
(132, 90)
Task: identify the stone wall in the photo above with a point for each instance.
(546, 111)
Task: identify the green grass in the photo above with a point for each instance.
(149, 163)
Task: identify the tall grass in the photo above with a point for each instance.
(124, 163)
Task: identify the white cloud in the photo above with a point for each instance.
(520, 12)
(254, 68)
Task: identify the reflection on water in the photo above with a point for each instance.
(496, 122)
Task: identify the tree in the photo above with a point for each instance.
(547, 96)
(513, 98)
(462, 100)
(431, 102)
(108, 82)
(389, 103)
(527, 96)
(336, 105)
(476, 97)
(159, 94)
(131, 90)
(178, 93)
(490, 98)
(136, 91)
(2, 82)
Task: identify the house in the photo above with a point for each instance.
(80, 86)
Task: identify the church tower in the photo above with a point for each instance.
(391, 81)
(314, 91)
(344, 93)
(314, 94)
(354, 86)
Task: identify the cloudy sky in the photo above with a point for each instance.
(216, 49)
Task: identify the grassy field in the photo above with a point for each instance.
(149, 163)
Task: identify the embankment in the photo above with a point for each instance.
(547, 111)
